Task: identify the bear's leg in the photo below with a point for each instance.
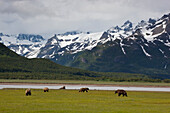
(126, 94)
(119, 94)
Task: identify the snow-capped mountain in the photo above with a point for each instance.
(74, 42)
(27, 45)
(140, 48)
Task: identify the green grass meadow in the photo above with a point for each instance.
(72, 101)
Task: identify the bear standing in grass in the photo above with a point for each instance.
(28, 92)
(121, 92)
(83, 89)
(46, 89)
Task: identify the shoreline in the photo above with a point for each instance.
(80, 84)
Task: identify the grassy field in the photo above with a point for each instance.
(72, 101)
(84, 82)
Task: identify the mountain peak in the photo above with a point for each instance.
(152, 21)
(127, 26)
(127, 23)
(1, 34)
(70, 33)
(30, 37)
(165, 16)
(141, 24)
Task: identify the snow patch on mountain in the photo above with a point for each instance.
(146, 53)
(80, 38)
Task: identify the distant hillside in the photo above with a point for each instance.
(13, 66)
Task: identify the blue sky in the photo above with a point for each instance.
(59, 16)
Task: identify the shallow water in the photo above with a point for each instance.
(91, 87)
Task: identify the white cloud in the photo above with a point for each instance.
(56, 16)
(24, 8)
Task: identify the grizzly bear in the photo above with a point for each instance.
(63, 87)
(121, 92)
(83, 89)
(28, 92)
(46, 89)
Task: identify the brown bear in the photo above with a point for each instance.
(63, 87)
(46, 89)
(28, 92)
(83, 89)
(121, 92)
